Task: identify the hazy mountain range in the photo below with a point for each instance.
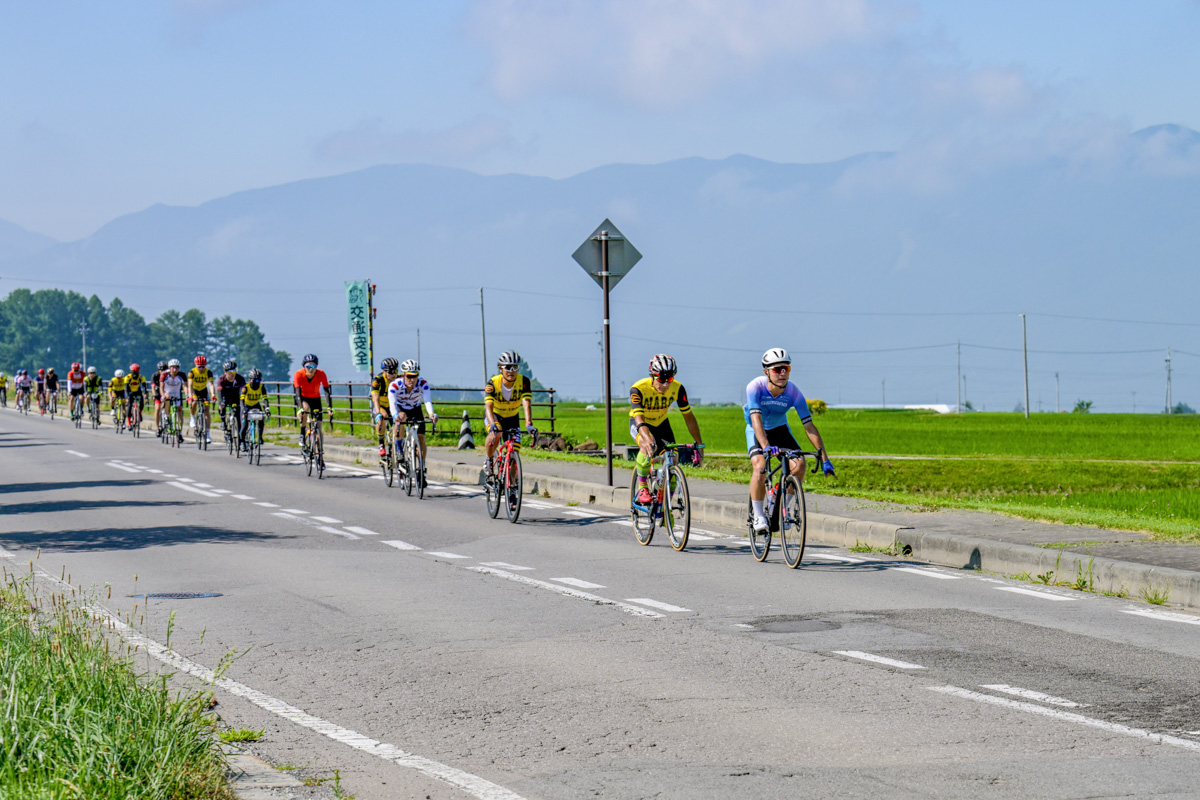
(909, 251)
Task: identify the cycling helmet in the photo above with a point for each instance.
(390, 364)
(254, 376)
(663, 366)
(410, 367)
(134, 367)
(174, 362)
(229, 366)
(200, 361)
(91, 370)
(509, 358)
(119, 373)
(776, 355)
(310, 359)
(51, 369)
(75, 365)
(161, 366)
(42, 371)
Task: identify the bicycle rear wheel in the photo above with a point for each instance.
(513, 489)
(793, 521)
(677, 513)
(643, 521)
(760, 542)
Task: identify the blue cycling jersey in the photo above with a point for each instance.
(774, 409)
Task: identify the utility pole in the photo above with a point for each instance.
(483, 337)
(966, 399)
(418, 345)
(958, 383)
(83, 329)
(1168, 380)
(1025, 353)
(1057, 402)
(1134, 393)
(883, 390)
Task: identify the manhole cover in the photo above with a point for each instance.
(175, 595)
(796, 625)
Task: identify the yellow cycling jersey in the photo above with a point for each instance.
(3, 381)
(133, 383)
(117, 384)
(652, 404)
(253, 398)
(200, 377)
(493, 396)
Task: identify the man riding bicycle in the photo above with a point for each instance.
(3, 390)
(116, 392)
(135, 384)
(307, 384)
(198, 380)
(405, 397)
(51, 389)
(172, 384)
(503, 397)
(768, 399)
(229, 391)
(75, 380)
(24, 386)
(254, 396)
(650, 400)
(93, 387)
(379, 407)
(156, 389)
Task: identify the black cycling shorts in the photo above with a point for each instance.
(780, 437)
(662, 433)
(416, 416)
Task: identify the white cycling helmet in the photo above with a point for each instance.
(91, 370)
(410, 367)
(509, 358)
(119, 373)
(776, 355)
(174, 362)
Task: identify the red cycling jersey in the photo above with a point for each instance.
(310, 387)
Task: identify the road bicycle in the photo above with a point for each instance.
(387, 461)
(94, 410)
(173, 421)
(789, 517)
(134, 418)
(118, 412)
(232, 428)
(43, 401)
(670, 500)
(201, 426)
(313, 450)
(411, 465)
(503, 483)
(256, 418)
(77, 410)
(23, 401)
(53, 404)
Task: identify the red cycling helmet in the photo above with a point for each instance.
(41, 372)
(75, 365)
(201, 361)
(134, 367)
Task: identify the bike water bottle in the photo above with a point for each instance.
(771, 502)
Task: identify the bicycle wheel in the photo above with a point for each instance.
(677, 514)
(793, 522)
(418, 468)
(643, 521)
(408, 464)
(319, 450)
(137, 423)
(513, 488)
(760, 542)
(491, 488)
(388, 462)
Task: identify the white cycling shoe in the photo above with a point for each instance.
(761, 524)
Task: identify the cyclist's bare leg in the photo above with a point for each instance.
(421, 439)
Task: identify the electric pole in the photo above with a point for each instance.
(958, 383)
(883, 390)
(418, 345)
(483, 337)
(1057, 402)
(1168, 380)
(1025, 353)
(83, 329)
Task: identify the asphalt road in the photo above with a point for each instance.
(425, 650)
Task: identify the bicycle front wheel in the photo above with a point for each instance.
(760, 542)
(491, 489)
(409, 465)
(513, 487)
(677, 510)
(319, 451)
(643, 521)
(418, 468)
(793, 521)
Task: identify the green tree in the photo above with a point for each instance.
(1082, 407)
(241, 340)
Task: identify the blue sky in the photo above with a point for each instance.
(110, 107)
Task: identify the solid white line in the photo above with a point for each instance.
(628, 609)
(1166, 616)
(578, 584)
(656, 604)
(1030, 694)
(119, 466)
(242, 497)
(1068, 716)
(624, 522)
(179, 485)
(77, 453)
(330, 520)
(267, 505)
(505, 565)
(1032, 593)
(928, 573)
(377, 477)
(443, 554)
(399, 545)
(890, 662)
(843, 559)
(295, 511)
(529, 503)
(361, 531)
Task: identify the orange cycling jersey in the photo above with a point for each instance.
(310, 387)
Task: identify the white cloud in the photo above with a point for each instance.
(371, 141)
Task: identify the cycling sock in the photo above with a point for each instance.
(643, 480)
(758, 508)
(642, 465)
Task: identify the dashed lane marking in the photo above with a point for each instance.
(221, 491)
(578, 584)
(184, 486)
(122, 467)
(313, 524)
(575, 512)
(506, 565)
(443, 554)
(927, 573)
(874, 659)
(294, 511)
(328, 520)
(1030, 694)
(242, 497)
(155, 471)
(842, 559)
(265, 504)
(399, 545)
(661, 606)
(77, 453)
(563, 590)
(204, 485)
(361, 531)
(1166, 616)
(1033, 593)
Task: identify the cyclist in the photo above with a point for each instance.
(768, 398)
(650, 400)
(198, 380)
(380, 387)
(116, 391)
(51, 390)
(40, 386)
(93, 385)
(307, 384)
(156, 389)
(24, 385)
(75, 388)
(135, 383)
(254, 395)
(229, 391)
(172, 385)
(405, 397)
(3, 390)
(503, 396)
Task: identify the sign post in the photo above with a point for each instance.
(607, 256)
(361, 317)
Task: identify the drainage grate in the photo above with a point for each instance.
(175, 595)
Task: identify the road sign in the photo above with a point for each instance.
(622, 255)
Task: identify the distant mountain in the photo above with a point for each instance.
(738, 253)
(16, 242)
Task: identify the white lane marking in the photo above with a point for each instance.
(267, 505)
(1067, 716)
(843, 559)
(377, 477)
(220, 491)
(505, 565)
(928, 573)
(170, 475)
(1030, 694)
(889, 662)
(313, 524)
(294, 511)
(645, 601)
(334, 469)
(742, 625)
(77, 453)
(185, 480)
(179, 485)
(553, 587)
(529, 503)
(242, 497)
(1166, 616)
(575, 512)
(155, 471)
(700, 537)
(361, 531)
(122, 466)
(204, 485)
(1032, 593)
(399, 545)
(443, 554)
(330, 520)
(624, 522)
(578, 584)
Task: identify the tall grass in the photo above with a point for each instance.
(76, 721)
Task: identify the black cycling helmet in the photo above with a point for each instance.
(309, 359)
(254, 376)
(229, 366)
(162, 365)
(389, 364)
(509, 358)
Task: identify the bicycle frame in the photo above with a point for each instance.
(670, 500)
(788, 516)
(506, 481)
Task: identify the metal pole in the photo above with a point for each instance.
(1025, 354)
(370, 332)
(1168, 380)
(418, 346)
(958, 408)
(483, 337)
(83, 329)
(1057, 401)
(608, 447)
(883, 391)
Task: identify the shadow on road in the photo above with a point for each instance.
(133, 538)
(54, 486)
(51, 506)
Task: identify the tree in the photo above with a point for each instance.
(1182, 408)
(1082, 407)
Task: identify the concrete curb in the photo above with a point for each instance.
(943, 549)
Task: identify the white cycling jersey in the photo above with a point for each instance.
(401, 398)
(172, 385)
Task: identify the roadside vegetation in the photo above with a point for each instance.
(79, 722)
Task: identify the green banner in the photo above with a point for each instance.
(358, 303)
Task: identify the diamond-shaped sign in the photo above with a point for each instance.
(622, 255)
